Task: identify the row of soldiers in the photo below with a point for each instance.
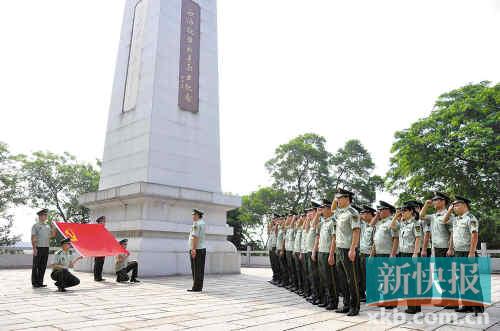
(321, 254)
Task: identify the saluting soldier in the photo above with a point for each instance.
(304, 256)
(62, 262)
(296, 255)
(410, 236)
(41, 233)
(347, 235)
(280, 247)
(99, 260)
(198, 250)
(123, 266)
(326, 258)
(465, 237)
(312, 269)
(435, 227)
(289, 241)
(385, 239)
(271, 247)
(366, 214)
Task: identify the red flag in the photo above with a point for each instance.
(91, 239)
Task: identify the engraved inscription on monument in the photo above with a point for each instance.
(135, 54)
(189, 61)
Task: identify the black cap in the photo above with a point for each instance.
(65, 241)
(43, 211)
(124, 241)
(385, 205)
(100, 219)
(462, 199)
(368, 209)
(343, 193)
(198, 212)
(440, 196)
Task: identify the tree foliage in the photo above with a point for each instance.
(352, 170)
(455, 149)
(10, 194)
(56, 181)
(300, 169)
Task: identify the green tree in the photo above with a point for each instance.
(56, 181)
(455, 150)
(300, 170)
(10, 194)
(256, 209)
(352, 170)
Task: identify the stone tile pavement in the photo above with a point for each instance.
(230, 302)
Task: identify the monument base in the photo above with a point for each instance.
(156, 219)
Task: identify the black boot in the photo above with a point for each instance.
(332, 305)
(353, 312)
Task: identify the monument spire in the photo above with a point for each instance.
(162, 155)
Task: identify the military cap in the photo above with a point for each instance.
(100, 219)
(358, 208)
(65, 241)
(385, 205)
(440, 196)
(343, 193)
(461, 199)
(43, 211)
(408, 205)
(326, 203)
(368, 209)
(124, 241)
(316, 204)
(412, 204)
(198, 212)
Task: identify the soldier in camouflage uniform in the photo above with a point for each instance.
(465, 237)
(347, 235)
(410, 237)
(365, 246)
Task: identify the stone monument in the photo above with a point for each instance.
(161, 155)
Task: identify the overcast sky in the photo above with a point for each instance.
(342, 69)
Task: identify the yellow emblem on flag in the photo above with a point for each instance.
(71, 234)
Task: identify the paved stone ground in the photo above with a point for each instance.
(230, 302)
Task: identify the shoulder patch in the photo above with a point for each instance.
(417, 227)
(353, 211)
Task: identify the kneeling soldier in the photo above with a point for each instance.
(60, 272)
(123, 267)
